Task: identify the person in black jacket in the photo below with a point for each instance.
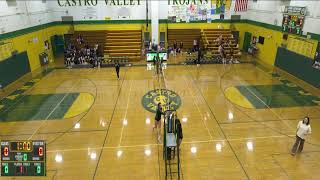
(199, 55)
(179, 131)
(117, 66)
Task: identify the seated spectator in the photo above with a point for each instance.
(80, 39)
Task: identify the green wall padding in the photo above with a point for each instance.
(13, 68)
(298, 65)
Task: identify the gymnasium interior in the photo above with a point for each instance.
(160, 89)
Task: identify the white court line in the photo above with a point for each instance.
(188, 142)
(51, 112)
(194, 102)
(125, 114)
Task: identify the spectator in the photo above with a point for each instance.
(195, 45)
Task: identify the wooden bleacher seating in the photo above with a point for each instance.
(209, 37)
(185, 35)
(124, 43)
(91, 38)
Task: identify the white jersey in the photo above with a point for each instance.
(303, 129)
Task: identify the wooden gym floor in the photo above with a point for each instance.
(238, 122)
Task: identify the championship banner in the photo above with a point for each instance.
(220, 6)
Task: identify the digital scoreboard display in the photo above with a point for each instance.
(152, 55)
(23, 158)
(293, 19)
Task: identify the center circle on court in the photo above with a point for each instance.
(150, 100)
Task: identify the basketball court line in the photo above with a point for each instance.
(100, 130)
(157, 144)
(216, 120)
(57, 105)
(298, 83)
(194, 102)
(168, 97)
(268, 107)
(111, 119)
(85, 113)
(125, 114)
(24, 93)
(261, 122)
(278, 164)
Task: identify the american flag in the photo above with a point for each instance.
(241, 5)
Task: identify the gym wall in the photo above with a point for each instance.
(32, 40)
(298, 65)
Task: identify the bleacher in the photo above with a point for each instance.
(123, 43)
(208, 37)
(185, 35)
(91, 38)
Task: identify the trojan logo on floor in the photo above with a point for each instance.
(152, 98)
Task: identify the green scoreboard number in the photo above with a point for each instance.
(23, 158)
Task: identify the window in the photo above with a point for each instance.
(11, 3)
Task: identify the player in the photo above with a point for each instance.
(157, 122)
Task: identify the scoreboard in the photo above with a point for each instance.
(293, 19)
(23, 158)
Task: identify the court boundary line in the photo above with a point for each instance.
(196, 98)
(125, 114)
(81, 118)
(168, 97)
(215, 119)
(157, 144)
(298, 81)
(25, 93)
(57, 105)
(111, 119)
(261, 122)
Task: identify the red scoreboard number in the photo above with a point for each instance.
(6, 151)
(40, 151)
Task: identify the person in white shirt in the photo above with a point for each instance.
(195, 45)
(303, 129)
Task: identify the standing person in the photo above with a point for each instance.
(117, 66)
(303, 129)
(179, 131)
(157, 122)
(194, 45)
(175, 47)
(199, 55)
(222, 53)
(181, 46)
